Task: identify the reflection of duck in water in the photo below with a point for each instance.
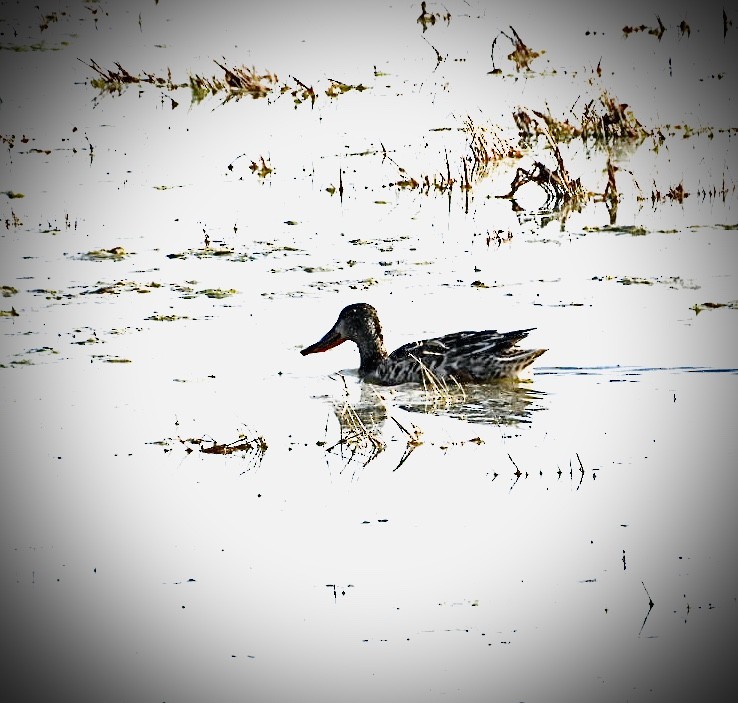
(502, 403)
(467, 357)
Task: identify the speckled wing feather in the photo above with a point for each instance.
(466, 356)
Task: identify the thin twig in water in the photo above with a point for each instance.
(413, 442)
(518, 473)
(650, 608)
(581, 469)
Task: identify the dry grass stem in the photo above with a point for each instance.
(438, 393)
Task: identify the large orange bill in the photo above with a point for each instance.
(330, 340)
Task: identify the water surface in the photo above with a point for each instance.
(567, 538)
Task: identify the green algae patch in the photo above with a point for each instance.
(113, 254)
(337, 88)
(166, 187)
(89, 340)
(634, 280)
(203, 253)
(102, 288)
(633, 230)
(675, 282)
(229, 253)
(111, 289)
(214, 293)
(50, 294)
(111, 359)
(166, 318)
(699, 307)
(217, 293)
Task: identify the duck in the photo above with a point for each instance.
(461, 357)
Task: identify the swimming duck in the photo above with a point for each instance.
(466, 357)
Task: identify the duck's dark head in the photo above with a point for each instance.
(357, 323)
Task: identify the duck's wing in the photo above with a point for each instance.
(461, 345)
(467, 356)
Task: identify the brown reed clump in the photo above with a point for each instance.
(236, 82)
(605, 121)
(113, 81)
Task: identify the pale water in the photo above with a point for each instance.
(569, 538)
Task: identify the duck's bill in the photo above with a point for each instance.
(330, 340)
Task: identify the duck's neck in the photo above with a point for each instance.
(371, 352)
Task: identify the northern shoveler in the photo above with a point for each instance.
(467, 357)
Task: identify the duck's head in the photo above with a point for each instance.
(358, 323)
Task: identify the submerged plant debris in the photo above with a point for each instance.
(699, 307)
(657, 31)
(428, 19)
(245, 444)
(261, 168)
(13, 221)
(242, 444)
(521, 55)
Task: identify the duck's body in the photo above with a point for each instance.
(466, 357)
